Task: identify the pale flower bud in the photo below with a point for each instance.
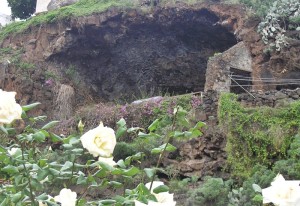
(80, 126)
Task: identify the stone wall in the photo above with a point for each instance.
(269, 98)
(206, 155)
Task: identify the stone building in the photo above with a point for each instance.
(230, 71)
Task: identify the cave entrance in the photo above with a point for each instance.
(142, 55)
(240, 81)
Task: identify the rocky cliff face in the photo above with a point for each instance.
(127, 54)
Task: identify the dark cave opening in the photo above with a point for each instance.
(129, 57)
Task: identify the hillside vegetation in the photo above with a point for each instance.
(87, 7)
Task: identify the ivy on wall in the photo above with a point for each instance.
(259, 135)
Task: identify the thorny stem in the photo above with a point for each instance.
(73, 168)
(86, 189)
(164, 150)
(28, 176)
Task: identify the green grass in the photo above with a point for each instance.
(81, 8)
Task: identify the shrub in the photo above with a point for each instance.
(214, 191)
(282, 16)
(256, 135)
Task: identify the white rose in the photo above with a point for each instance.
(9, 109)
(14, 151)
(100, 141)
(108, 160)
(66, 197)
(163, 198)
(282, 192)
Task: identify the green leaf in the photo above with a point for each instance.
(150, 172)
(161, 188)
(36, 184)
(55, 138)
(120, 132)
(199, 125)
(4, 202)
(137, 156)
(10, 169)
(154, 125)
(72, 139)
(130, 172)
(101, 173)
(143, 135)
(142, 189)
(121, 164)
(256, 188)
(16, 197)
(38, 118)
(42, 197)
(116, 184)
(158, 150)
(121, 122)
(66, 166)
(81, 180)
(133, 129)
(151, 134)
(107, 202)
(30, 106)
(42, 174)
(106, 166)
(77, 151)
(39, 136)
(258, 198)
(3, 130)
(54, 172)
(50, 125)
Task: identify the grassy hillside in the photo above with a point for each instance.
(87, 7)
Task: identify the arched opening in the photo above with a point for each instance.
(138, 55)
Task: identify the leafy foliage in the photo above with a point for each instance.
(257, 136)
(33, 172)
(282, 16)
(22, 8)
(260, 7)
(213, 192)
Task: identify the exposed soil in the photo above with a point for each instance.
(129, 54)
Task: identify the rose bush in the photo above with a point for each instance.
(282, 192)
(9, 109)
(100, 141)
